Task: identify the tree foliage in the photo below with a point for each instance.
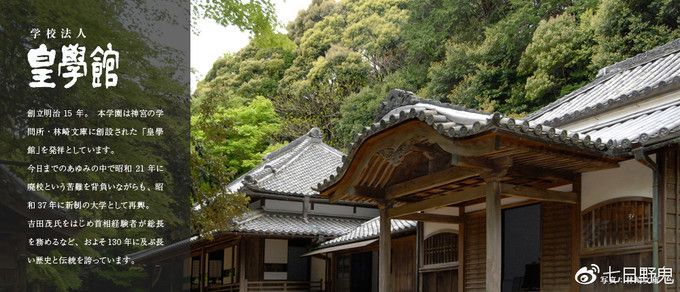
(237, 78)
(146, 80)
(494, 55)
(339, 60)
(233, 124)
(226, 142)
(256, 16)
(343, 47)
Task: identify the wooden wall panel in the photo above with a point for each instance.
(475, 252)
(441, 281)
(618, 262)
(556, 246)
(403, 264)
(669, 162)
(254, 250)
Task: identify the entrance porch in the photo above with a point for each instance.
(423, 156)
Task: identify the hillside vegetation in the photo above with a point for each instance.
(339, 59)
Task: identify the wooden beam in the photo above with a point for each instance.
(596, 159)
(358, 194)
(429, 181)
(368, 192)
(398, 135)
(473, 162)
(538, 194)
(378, 167)
(494, 255)
(448, 198)
(425, 217)
(540, 172)
(385, 252)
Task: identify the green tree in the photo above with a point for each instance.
(307, 18)
(566, 51)
(433, 23)
(495, 55)
(482, 75)
(625, 28)
(346, 47)
(374, 30)
(233, 123)
(146, 80)
(256, 16)
(234, 79)
(557, 59)
(360, 108)
(226, 143)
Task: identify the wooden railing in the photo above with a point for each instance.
(271, 286)
(224, 288)
(275, 286)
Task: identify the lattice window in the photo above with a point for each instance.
(195, 272)
(441, 248)
(618, 223)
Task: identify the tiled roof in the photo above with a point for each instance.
(616, 85)
(294, 169)
(455, 122)
(628, 80)
(370, 229)
(640, 127)
(265, 223)
(294, 224)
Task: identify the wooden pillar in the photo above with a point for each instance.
(576, 234)
(202, 272)
(420, 228)
(461, 250)
(242, 282)
(385, 248)
(494, 256)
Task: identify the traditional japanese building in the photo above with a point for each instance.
(510, 204)
(263, 251)
(353, 257)
(468, 201)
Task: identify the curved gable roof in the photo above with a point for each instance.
(459, 123)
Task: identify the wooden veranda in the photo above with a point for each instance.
(409, 165)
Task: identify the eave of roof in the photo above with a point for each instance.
(267, 223)
(287, 197)
(457, 124)
(660, 122)
(370, 230)
(621, 100)
(260, 223)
